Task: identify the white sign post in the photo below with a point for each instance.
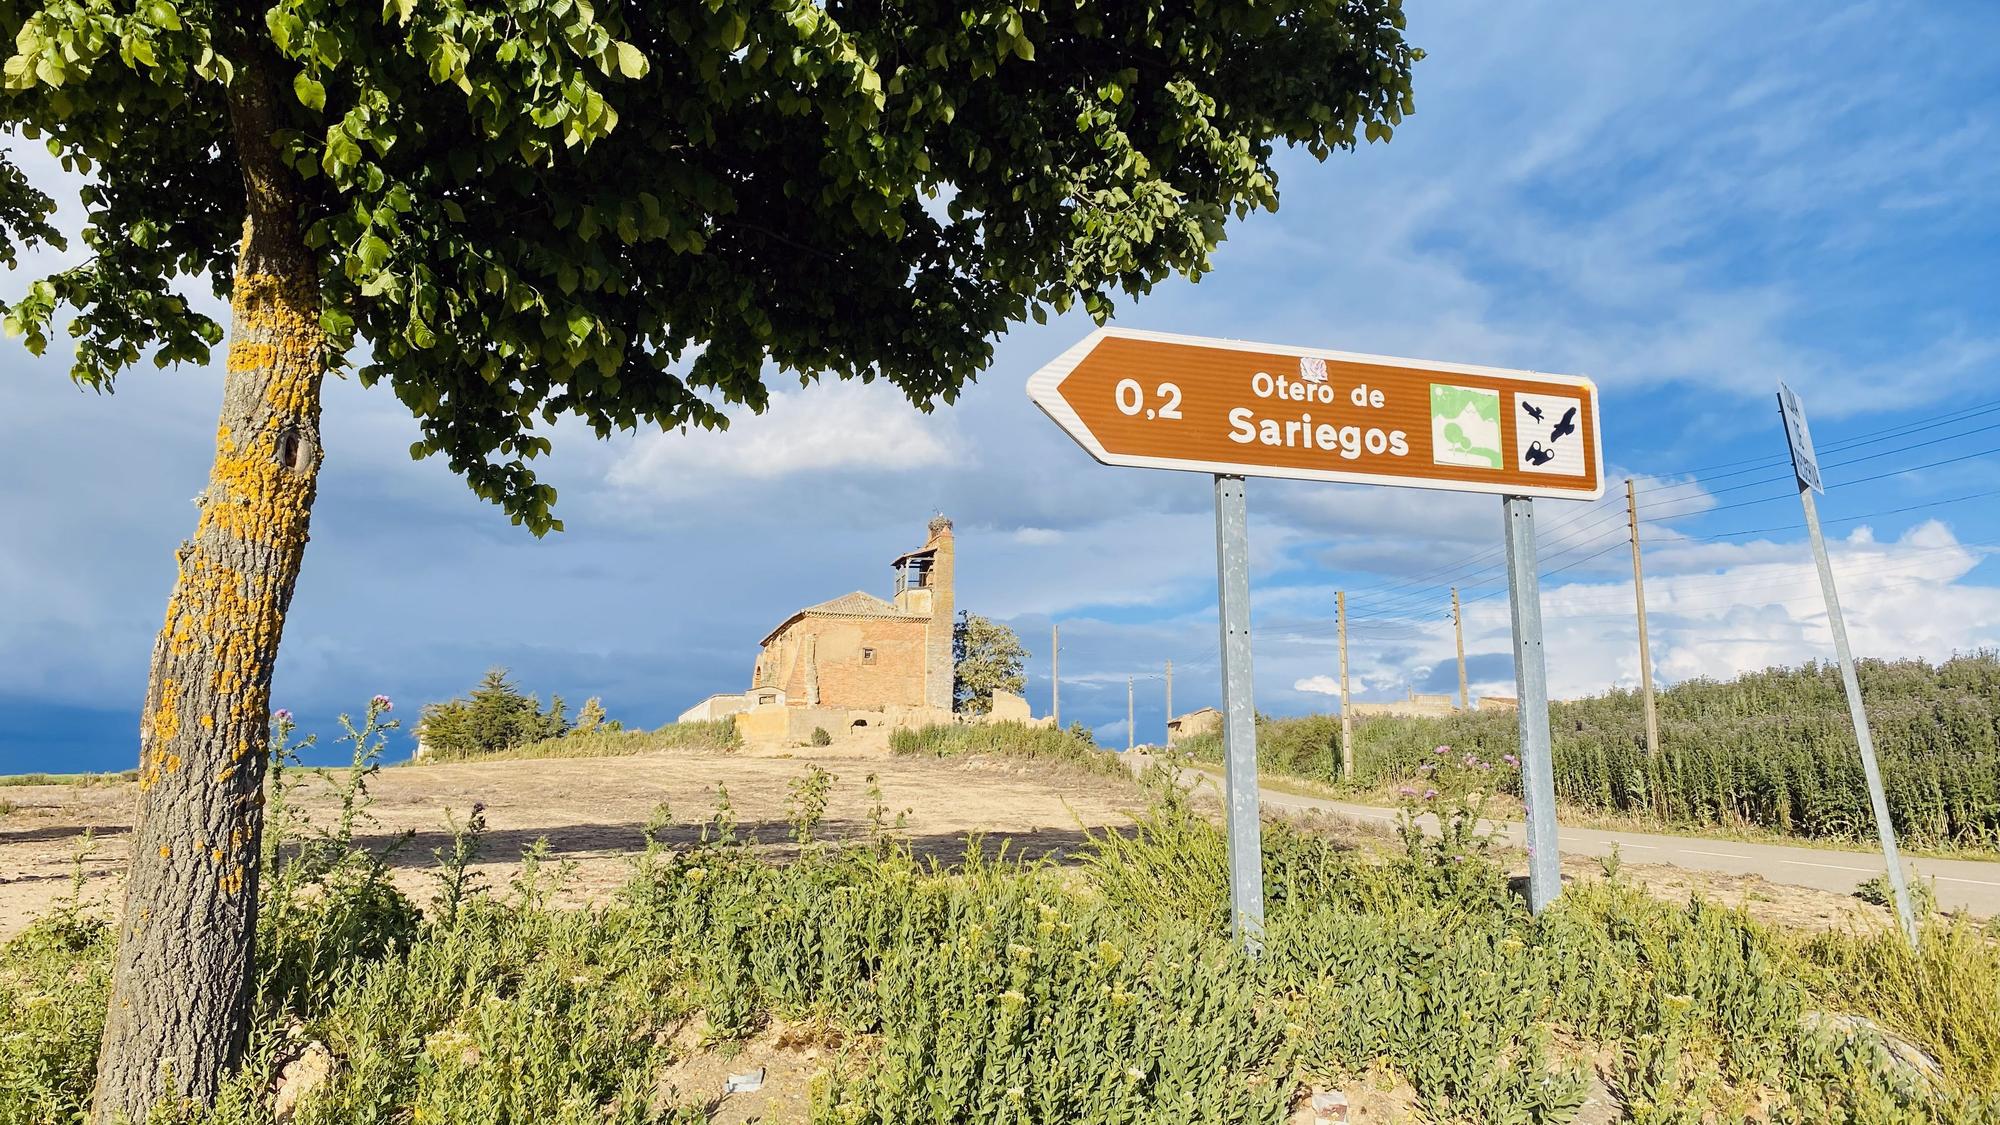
(1805, 466)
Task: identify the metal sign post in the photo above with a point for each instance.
(1805, 466)
(1531, 684)
(1239, 713)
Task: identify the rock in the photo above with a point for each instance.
(1324, 1107)
(1898, 1056)
(300, 1077)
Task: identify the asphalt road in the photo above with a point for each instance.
(1971, 884)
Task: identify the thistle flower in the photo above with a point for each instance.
(282, 714)
(1407, 791)
(1430, 794)
(1442, 751)
(1511, 760)
(382, 703)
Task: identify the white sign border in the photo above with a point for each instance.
(1043, 384)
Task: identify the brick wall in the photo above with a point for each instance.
(847, 677)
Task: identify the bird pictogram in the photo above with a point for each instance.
(1565, 427)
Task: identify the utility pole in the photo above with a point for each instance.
(1346, 713)
(1645, 646)
(1169, 728)
(1130, 730)
(1055, 674)
(1458, 627)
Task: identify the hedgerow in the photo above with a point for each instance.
(1772, 749)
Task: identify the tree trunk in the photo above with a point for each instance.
(181, 988)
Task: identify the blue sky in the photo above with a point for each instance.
(1685, 202)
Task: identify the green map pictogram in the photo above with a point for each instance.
(1465, 426)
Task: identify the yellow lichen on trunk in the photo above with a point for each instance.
(181, 984)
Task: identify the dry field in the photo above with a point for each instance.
(592, 812)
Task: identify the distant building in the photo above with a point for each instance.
(858, 651)
(1194, 724)
(1417, 706)
(860, 661)
(1431, 705)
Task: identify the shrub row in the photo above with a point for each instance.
(1772, 749)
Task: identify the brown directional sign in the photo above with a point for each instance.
(1160, 401)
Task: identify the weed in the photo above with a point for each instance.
(456, 880)
(805, 808)
(1879, 892)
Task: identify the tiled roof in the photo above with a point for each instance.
(856, 604)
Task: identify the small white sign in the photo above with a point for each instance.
(1548, 437)
(1805, 463)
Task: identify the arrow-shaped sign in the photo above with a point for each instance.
(1161, 401)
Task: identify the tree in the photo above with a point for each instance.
(492, 717)
(628, 212)
(988, 658)
(591, 718)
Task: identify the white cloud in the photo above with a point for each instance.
(1317, 685)
(828, 428)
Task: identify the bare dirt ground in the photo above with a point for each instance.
(592, 812)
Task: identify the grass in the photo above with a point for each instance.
(996, 990)
(717, 735)
(84, 779)
(1010, 740)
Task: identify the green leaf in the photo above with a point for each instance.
(373, 252)
(631, 63)
(311, 94)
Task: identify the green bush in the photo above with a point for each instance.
(492, 717)
(710, 735)
(1010, 739)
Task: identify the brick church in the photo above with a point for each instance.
(857, 660)
(858, 651)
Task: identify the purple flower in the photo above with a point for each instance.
(1429, 794)
(1472, 760)
(382, 703)
(1407, 791)
(1426, 768)
(1511, 760)
(282, 714)
(1442, 751)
